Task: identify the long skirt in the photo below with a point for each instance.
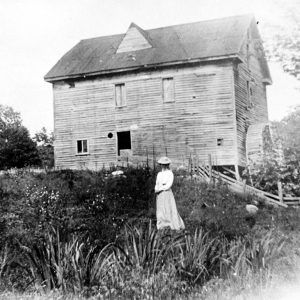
(166, 211)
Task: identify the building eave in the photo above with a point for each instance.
(267, 81)
(235, 57)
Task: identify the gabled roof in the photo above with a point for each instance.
(205, 40)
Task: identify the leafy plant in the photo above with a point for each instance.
(193, 255)
(147, 248)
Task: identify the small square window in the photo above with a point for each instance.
(220, 142)
(168, 89)
(82, 147)
(120, 95)
(71, 84)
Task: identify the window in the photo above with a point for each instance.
(168, 90)
(82, 147)
(249, 95)
(124, 141)
(220, 142)
(71, 84)
(120, 95)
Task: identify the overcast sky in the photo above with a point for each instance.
(34, 34)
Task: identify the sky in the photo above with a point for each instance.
(34, 34)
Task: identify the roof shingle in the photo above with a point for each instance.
(179, 43)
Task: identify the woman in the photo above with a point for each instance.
(166, 211)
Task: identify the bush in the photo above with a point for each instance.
(99, 204)
(95, 203)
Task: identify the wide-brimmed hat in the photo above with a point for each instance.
(164, 160)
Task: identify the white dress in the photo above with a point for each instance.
(166, 210)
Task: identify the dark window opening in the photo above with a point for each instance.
(220, 142)
(124, 141)
(82, 146)
(71, 84)
(110, 135)
(249, 90)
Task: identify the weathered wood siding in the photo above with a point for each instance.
(132, 41)
(253, 110)
(203, 112)
(255, 142)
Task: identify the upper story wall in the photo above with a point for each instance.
(251, 79)
(201, 114)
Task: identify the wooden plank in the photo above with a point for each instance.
(291, 198)
(280, 192)
(210, 168)
(229, 171)
(242, 188)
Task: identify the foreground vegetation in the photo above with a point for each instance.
(91, 234)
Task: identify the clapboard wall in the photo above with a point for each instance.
(202, 113)
(250, 90)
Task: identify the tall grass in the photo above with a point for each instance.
(70, 266)
(146, 263)
(193, 255)
(147, 248)
(4, 259)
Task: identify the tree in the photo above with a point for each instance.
(9, 117)
(289, 127)
(266, 175)
(43, 138)
(282, 37)
(17, 149)
(45, 147)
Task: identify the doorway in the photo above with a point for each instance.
(124, 141)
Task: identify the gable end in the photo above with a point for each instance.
(134, 39)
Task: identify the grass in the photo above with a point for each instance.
(150, 264)
(253, 271)
(219, 256)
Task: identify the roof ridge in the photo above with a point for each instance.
(196, 41)
(103, 36)
(250, 15)
(145, 31)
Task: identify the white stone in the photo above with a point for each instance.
(252, 209)
(117, 173)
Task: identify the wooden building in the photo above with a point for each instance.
(181, 91)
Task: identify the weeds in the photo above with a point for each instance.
(101, 241)
(147, 263)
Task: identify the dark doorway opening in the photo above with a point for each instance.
(124, 141)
